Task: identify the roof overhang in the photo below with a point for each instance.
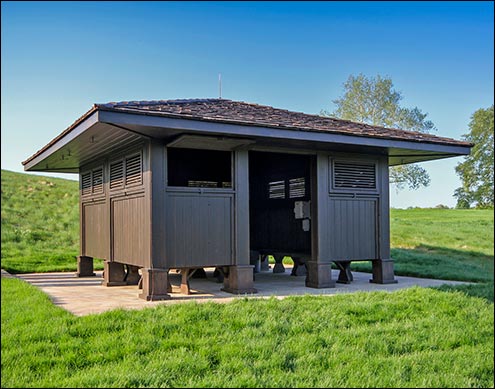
(101, 131)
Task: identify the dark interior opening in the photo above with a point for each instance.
(276, 182)
(199, 168)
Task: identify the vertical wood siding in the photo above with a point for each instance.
(115, 207)
(130, 221)
(199, 229)
(95, 242)
(351, 215)
(352, 229)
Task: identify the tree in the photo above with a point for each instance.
(375, 101)
(476, 172)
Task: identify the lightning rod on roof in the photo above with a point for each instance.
(219, 85)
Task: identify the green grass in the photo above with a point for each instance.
(40, 223)
(411, 338)
(449, 244)
(454, 244)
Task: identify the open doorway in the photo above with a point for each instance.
(279, 207)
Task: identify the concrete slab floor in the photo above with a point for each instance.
(84, 296)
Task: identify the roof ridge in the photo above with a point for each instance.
(156, 102)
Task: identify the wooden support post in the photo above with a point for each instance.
(255, 260)
(239, 280)
(319, 275)
(241, 209)
(132, 275)
(155, 284)
(299, 268)
(345, 275)
(265, 265)
(219, 274)
(186, 273)
(319, 269)
(113, 274)
(383, 271)
(85, 266)
(279, 266)
(383, 268)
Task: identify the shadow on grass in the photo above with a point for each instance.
(484, 290)
(44, 263)
(443, 263)
(438, 262)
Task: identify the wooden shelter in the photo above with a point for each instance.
(188, 184)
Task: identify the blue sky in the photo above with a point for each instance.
(58, 58)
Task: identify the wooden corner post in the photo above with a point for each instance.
(239, 278)
(383, 267)
(319, 272)
(85, 266)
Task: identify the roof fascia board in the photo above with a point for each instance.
(80, 128)
(124, 118)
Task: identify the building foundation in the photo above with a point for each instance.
(383, 271)
(155, 285)
(239, 280)
(85, 266)
(319, 275)
(113, 274)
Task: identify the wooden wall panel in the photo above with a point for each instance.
(352, 227)
(130, 233)
(95, 236)
(199, 229)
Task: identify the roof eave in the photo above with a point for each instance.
(204, 126)
(148, 121)
(86, 121)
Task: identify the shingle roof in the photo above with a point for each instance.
(238, 112)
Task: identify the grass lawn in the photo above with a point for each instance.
(410, 338)
(450, 244)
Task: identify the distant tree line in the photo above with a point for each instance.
(476, 172)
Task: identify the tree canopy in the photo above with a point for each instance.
(476, 171)
(373, 100)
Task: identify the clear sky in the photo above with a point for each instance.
(58, 58)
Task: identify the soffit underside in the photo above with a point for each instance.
(69, 154)
(94, 143)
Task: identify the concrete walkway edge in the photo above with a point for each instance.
(84, 296)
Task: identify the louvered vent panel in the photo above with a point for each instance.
(133, 170)
(86, 184)
(98, 181)
(276, 190)
(352, 175)
(117, 175)
(297, 187)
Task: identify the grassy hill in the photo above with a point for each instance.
(40, 223)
